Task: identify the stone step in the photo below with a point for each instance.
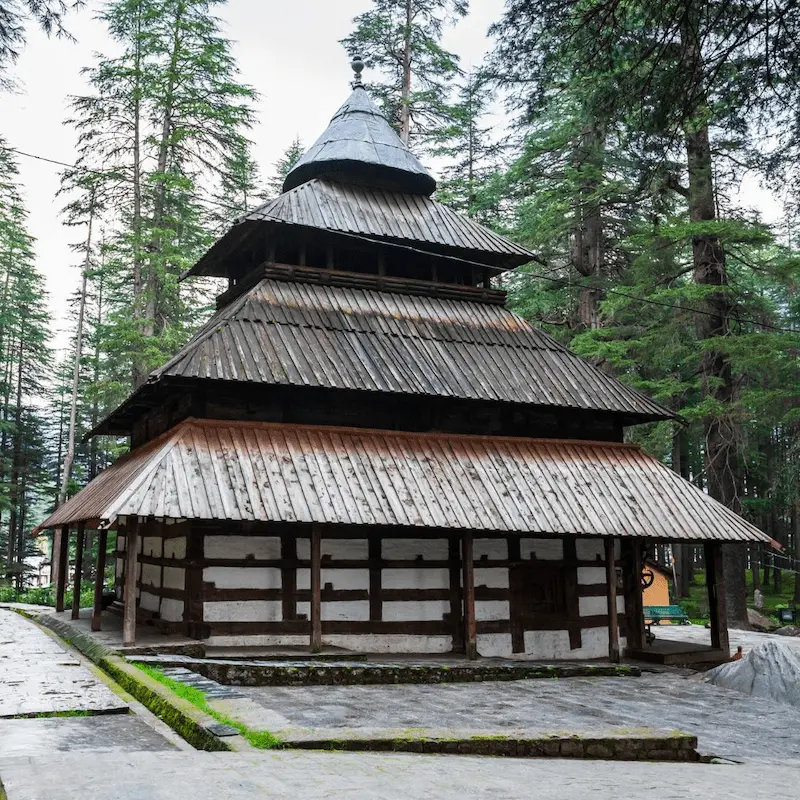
(308, 672)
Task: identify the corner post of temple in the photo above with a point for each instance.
(316, 587)
(63, 562)
(76, 578)
(99, 578)
(717, 606)
(611, 597)
(470, 626)
(633, 563)
(131, 575)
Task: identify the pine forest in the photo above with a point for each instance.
(611, 138)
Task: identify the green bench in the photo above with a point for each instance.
(655, 615)
(658, 614)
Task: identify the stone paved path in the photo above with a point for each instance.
(38, 676)
(726, 723)
(115, 733)
(340, 776)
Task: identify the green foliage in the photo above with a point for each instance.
(164, 121)
(46, 595)
(263, 740)
(283, 166)
(400, 39)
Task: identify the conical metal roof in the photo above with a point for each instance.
(359, 146)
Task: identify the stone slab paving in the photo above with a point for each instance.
(38, 676)
(726, 723)
(105, 734)
(340, 776)
(697, 634)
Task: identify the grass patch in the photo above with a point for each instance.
(55, 715)
(46, 595)
(263, 740)
(696, 605)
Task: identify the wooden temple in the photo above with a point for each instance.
(364, 448)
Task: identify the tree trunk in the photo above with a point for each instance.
(405, 89)
(796, 545)
(137, 367)
(14, 566)
(76, 373)
(712, 323)
(682, 552)
(587, 247)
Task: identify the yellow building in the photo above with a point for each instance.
(657, 594)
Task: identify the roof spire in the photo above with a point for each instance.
(358, 65)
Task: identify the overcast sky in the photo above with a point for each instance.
(288, 51)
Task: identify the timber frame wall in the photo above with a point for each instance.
(384, 590)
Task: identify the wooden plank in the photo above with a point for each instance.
(717, 604)
(76, 582)
(454, 593)
(375, 597)
(288, 577)
(572, 594)
(470, 629)
(611, 596)
(316, 603)
(193, 581)
(131, 570)
(63, 565)
(99, 579)
(632, 562)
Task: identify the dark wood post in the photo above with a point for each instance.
(470, 627)
(316, 586)
(634, 607)
(76, 579)
(717, 610)
(99, 579)
(131, 575)
(63, 563)
(611, 597)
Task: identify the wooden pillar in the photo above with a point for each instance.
(454, 569)
(470, 627)
(375, 556)
(131, 574)
(632, 558)
(717, 609)
(76, 580)
(99, 579)
(611, 597)
(316, 586)
(63, 564)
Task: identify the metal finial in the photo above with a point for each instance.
(358, 65)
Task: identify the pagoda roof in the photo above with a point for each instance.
(375, 214)
(360, 146)
(287, 332)
(267, 472)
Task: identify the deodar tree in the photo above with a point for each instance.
(166, 120)
(686, 89)
(24, 357)
(400, 40)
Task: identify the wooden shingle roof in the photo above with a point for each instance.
(266, 472)
(361, 145)
(291, 333)
(374, 214)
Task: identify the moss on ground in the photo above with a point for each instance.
(263, 740)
